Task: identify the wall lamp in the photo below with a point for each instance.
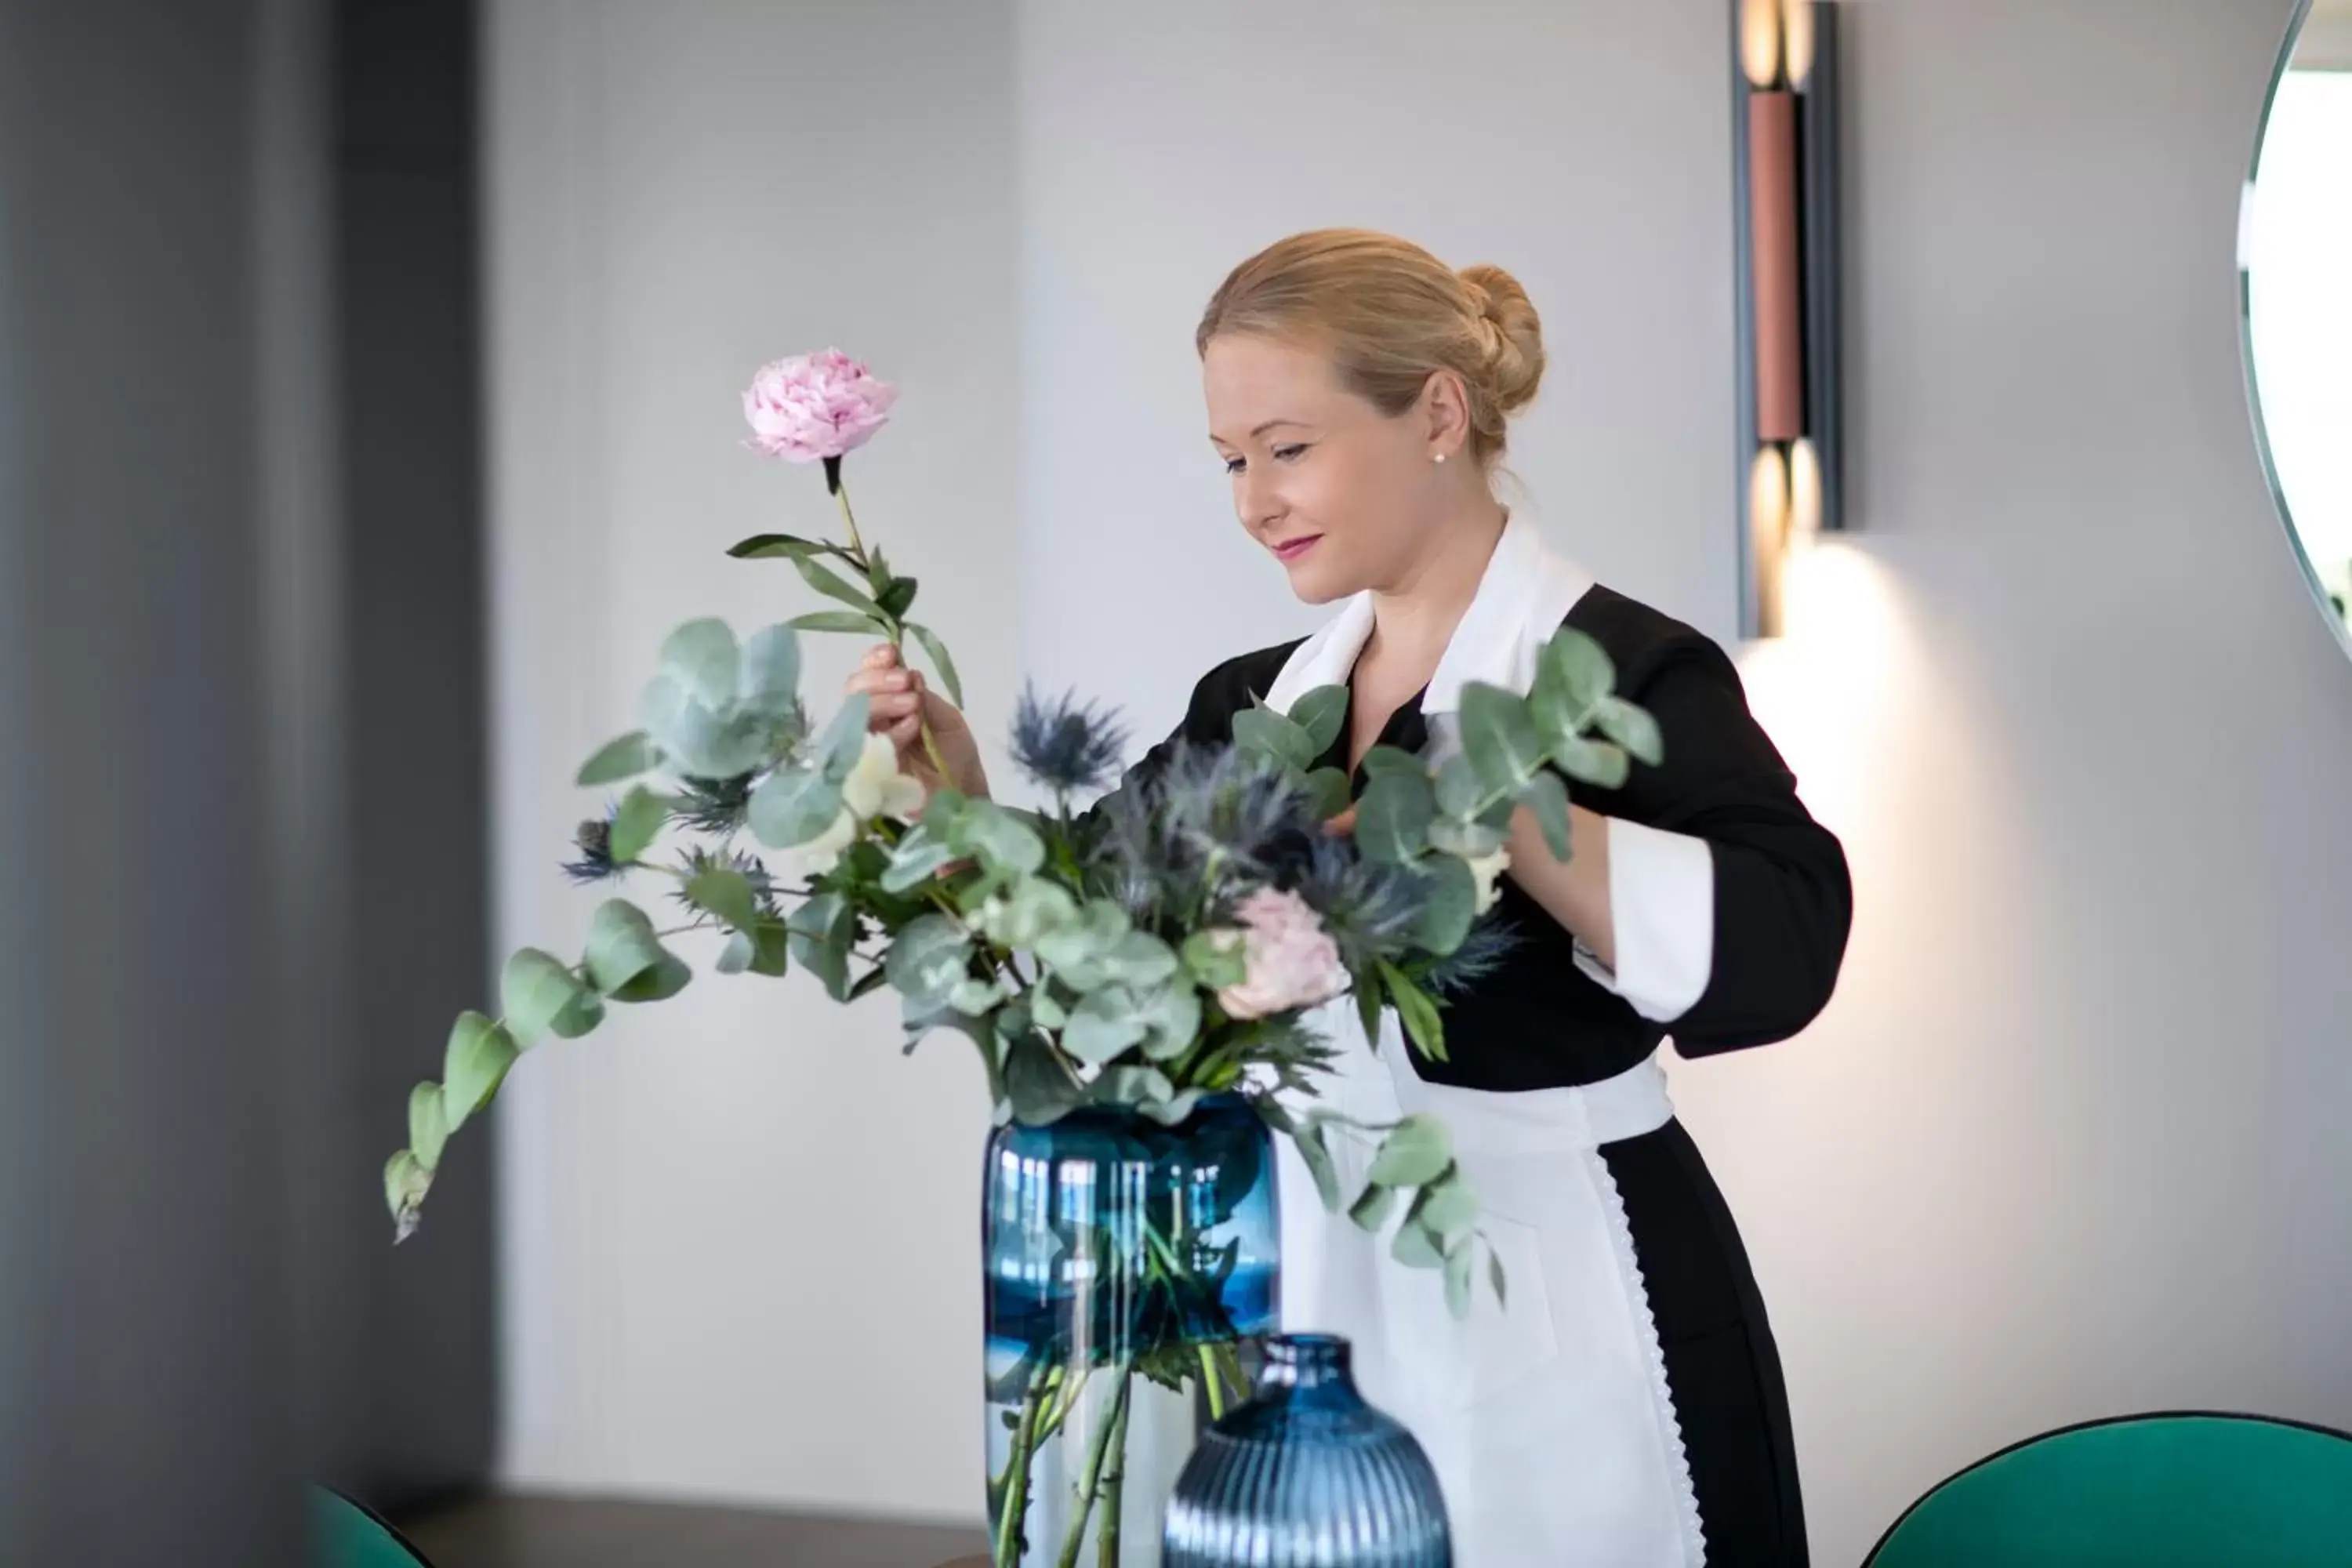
(1785, 197)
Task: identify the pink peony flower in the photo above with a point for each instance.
(1291, 960)
(813, 406)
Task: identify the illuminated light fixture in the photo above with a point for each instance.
(1784, 193)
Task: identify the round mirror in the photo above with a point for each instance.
(2294, 259)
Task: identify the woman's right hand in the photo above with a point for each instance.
(899, 701)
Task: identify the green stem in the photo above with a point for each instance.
(898, 632)
(1114, 1489)
(1114, 1424)
(856, 545)
(1016, 1507)
(1213, 1380)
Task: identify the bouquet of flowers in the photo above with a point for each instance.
(1165, 945)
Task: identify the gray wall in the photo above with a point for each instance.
(2064, 1144)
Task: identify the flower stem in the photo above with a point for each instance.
(856, 545)
(1212, 1379)
(1114, 1483)
(898, 632)
(1114, 1426)
(1016, 1507)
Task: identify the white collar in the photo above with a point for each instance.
(1523, 595)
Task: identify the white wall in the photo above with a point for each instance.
(740, 1233)
(2065, 1142)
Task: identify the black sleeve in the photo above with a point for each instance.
(1783, 897)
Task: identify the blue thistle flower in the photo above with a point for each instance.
(1067, 745)
(595, 842)
(717, 806)
(750, 866)
(1490, 941)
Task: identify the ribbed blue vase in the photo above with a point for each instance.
(1306, 1475)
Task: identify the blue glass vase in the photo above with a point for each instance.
(1306, 1475)
(1130, 1265)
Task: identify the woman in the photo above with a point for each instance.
(1622, 1404)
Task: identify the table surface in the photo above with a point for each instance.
(576, 1533)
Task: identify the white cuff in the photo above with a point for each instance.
(1661, 902)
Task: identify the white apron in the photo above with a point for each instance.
(1548, 1420)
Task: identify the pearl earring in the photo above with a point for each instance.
(1441, 456)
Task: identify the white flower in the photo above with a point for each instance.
(875, 787)
(1487, 871)
(823, 852)
(1292, 960)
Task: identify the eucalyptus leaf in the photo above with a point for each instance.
(624, 758)
(1102, 1025)
(1309, 1137)
(428, 1125)
(1139, 959)
(473, 1066)
(821, 932)
(1449, 904)
(770, 949)
(974, 996)
(1002, 840)
(1632, 728)
(1382, 761)
(1596, 763)
(736, 956)
(626, 961)
(1449, 1208)
(928, 959)
(1373, 1208)
(844, 739)
(1040, 1088)
(1469, 840)
(916, 858)
(769, 679)
(405, 1183)
(1457, 1282)
(1320, 713)
(830, 586)
(1328, 788)
(1459, 789)
(727, 893)
(1548, 798)
(541, 995)
(1416, 1248)
(837, 621)
(1415, 1150)
(1171, 1018)
(792, 806)
(1495, 1277)
(1171, 1112)
(1079, 951)
(701, 658)
(1024, 917)
(1393, 816)
(770, 546)
(1581, 666)
(939, 661)
(1132, 1086)
(1048, 1013)
(1498, 736)
(1261, 728)
(1216, 959)
(636, 824)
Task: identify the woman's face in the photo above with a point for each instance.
(1338, 492)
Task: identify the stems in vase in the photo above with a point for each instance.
(1114, 1426)
(1114, 1487)
(1009, 1543)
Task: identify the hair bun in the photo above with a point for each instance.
(1513, 334)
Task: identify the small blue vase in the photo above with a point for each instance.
(1306, 1475)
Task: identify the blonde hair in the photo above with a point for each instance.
(1389, 314)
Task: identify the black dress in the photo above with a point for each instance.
(1782, 905)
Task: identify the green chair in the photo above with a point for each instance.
(2193, 1490)
(348, 1535)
